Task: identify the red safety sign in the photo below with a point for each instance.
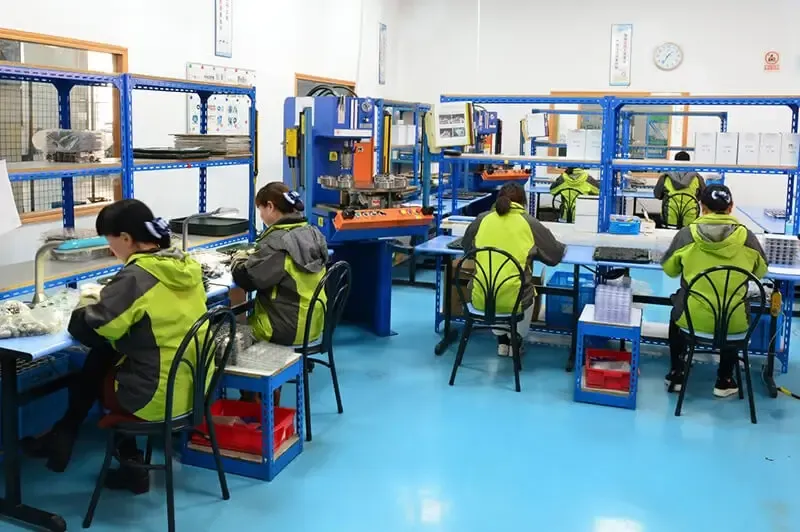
(772, 61)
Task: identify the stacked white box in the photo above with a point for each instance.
(727, 147)
(790, 149)
(705, 147)
(749, 147)
(612, 304)
(594, 144)
(769, 153)
(576, 144)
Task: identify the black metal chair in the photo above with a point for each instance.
(499, 262)
(335, 285)
(726, 303)
(564, 204)
(216, 324)
(682, 207)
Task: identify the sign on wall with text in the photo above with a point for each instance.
(223, 28)
(621, 48)
(381, 54)
(227, 115)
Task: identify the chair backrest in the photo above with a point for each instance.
(727, 297)
(494, 269)
(679, 209)
(564, 204)
(336, 286)
(211, 355)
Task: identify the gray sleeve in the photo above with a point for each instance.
(262, 270)
(119, 295)
(752, 242)
(594, 182)
(658, 191)
(546, 248)
(468, 240)
(557, 183)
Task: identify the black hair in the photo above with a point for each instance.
(682, 156)
(133, 217)
(510, 192)
(284, 199)
(717, 198)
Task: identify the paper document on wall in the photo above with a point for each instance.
(9, 217)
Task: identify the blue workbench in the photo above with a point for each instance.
(582, 256)
(767, 223)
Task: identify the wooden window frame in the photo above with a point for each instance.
(322, 81)
(120, 64)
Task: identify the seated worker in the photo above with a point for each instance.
(714, 239)
(133, 329)
(676, 183)
(509, 227)
(572, 184)
(284, 270)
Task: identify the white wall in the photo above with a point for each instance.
(534, 47)
(277, 39)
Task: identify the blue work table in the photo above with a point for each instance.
(27, 350)
(767, 223)
(582, 256)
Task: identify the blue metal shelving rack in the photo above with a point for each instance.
(418, 110)
(64, 80)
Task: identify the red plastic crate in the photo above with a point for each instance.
(607, 379)
(247, 437)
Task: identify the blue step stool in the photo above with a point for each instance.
(632, 332)
(272, 370)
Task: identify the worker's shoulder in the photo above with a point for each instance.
(683, 237)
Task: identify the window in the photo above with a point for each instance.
(28, 107)
(304, 83)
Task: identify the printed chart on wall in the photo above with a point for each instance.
(227, 115)
(621, 47)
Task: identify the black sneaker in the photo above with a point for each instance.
(133, 479)
(725, 387)
(55, 446)
(674, 381)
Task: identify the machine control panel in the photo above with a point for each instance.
(381, 218)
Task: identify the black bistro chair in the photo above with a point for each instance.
(502, 269)
(564, 204)
(730, 289)
(681, 206)
(220, 324)
(336, 286)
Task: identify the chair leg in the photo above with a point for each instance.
(750, 397)
(148, 453)
(335, 379)
(170, 487)
(687, 369)
(739, 378)
(212, 434)
(515, 343)
(462, 346)
(101, 480)
(307, 398)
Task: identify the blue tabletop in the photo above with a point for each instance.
(767, 223)
(39, 346)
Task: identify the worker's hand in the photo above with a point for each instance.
(89, 295)
(242, 254)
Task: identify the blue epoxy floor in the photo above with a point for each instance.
(413, 454)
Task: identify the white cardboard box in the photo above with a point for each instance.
(749, 146)
(594, 144)
(727, 147)
(790, 148)
(705, 147)
(576, 144)
(769, 153)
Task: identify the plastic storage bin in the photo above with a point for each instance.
(246, 437)
(558, 309)
(607, 379)
(759, 341)
(621, 224)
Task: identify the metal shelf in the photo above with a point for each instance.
(519, 99)
(35, 170)
(55, 75)
(534, 160)
(154, 83)
(678, 166)
(140, 165)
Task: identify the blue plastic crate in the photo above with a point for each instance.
(759, 341)
(39, 415)
(624, 225)
(558, 309)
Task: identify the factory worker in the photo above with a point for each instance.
(572, 184)
(676, 183)
(714, 239)
(509, 227)
(285, 268)
(133, 328)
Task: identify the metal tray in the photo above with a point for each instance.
(211, 226)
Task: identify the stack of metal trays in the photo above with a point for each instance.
(229, 145)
